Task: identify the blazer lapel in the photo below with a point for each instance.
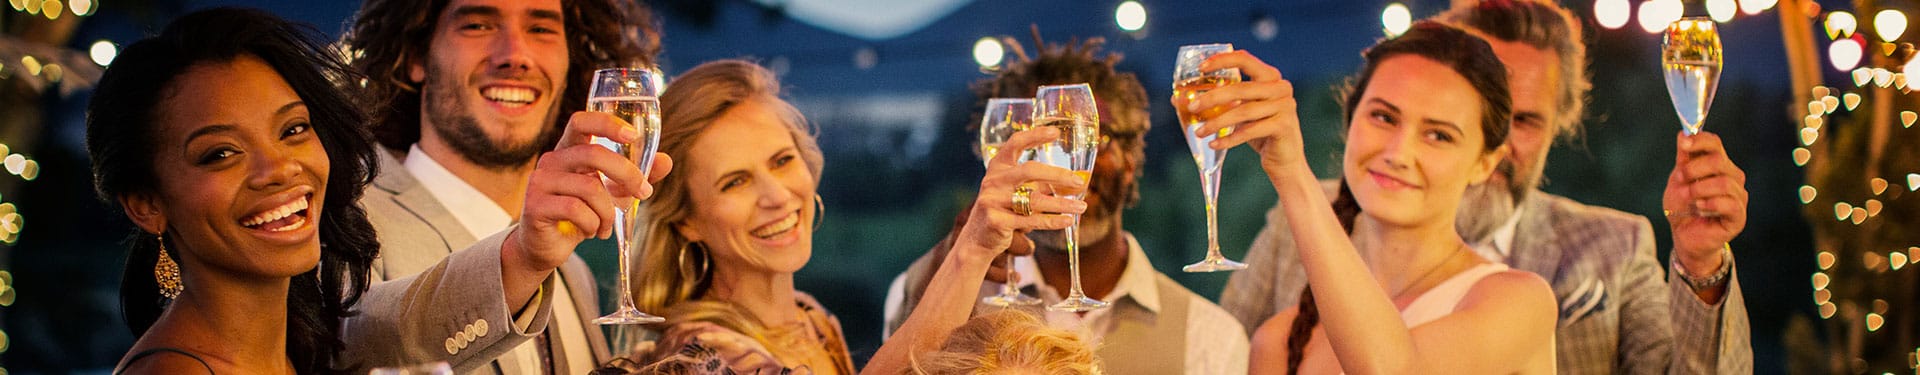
(1535, 245)
(414, 197)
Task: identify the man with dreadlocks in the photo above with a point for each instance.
(1150, 313)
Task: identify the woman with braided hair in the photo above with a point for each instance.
(1427, 116)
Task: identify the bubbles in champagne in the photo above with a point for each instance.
(1691, 85)
(1078, 146)
(1207, 158)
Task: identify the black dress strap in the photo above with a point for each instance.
(144, 353)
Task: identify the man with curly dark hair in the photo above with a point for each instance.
(465, 95)
(1154, 325)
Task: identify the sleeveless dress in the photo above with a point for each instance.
(1442, 299)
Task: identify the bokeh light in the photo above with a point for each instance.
(1130, 15)
(1612, 14)
(1396, 18)
(103, 52)
(988, 52)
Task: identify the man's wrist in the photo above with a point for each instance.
(1698, 281)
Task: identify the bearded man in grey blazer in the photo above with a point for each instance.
(465, 95)
(1618, 313)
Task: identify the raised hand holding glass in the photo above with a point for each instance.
(632, 94)
(1188, 82)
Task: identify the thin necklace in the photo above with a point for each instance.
(1431, 271)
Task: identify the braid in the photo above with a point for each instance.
(1346, 209)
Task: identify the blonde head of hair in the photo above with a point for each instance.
(1008, 342)
(675, 273)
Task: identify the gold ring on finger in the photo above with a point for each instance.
(1022, 200)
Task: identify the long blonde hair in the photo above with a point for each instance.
(674, 273)
(1008, 340)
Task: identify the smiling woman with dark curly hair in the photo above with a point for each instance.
(227, 145)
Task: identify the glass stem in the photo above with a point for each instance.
(1210, 182)
(1007, 288)
(1073, 258)
(623, 240)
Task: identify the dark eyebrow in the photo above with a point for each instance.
(544, 14)
(289, 107)
(1384, 102)
(1456, 127)
(1428, 121)
(209, 130)
(476, 10)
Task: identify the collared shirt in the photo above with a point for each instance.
(1498, 246)
(482, 218)
(1216, 344)
(475, 211)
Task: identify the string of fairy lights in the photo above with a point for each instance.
(24, 168)
(1844, 53)
(40, 65)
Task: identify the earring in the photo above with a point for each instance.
(819, 211)
(680, 262)
(166, 273)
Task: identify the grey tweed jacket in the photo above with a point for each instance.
(1619, 312)
(439, 304)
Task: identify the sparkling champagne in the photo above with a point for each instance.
(631, 94)
(1691, 85)
(1207, 158)
(1690, 55)
(643, 112)
(1076, 149)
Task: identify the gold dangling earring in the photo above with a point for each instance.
(166, 273)
(680, 262)
(819, 211)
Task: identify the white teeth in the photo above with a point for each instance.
(278, 213)
(511, 95)
(778, 228)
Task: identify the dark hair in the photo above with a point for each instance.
(389, 36)
(1126, 122)
(120, 128)
(1466, 55)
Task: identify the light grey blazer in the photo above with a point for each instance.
(1616, 313)
(439, 304)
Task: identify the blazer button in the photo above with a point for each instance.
(463, 337)
(483, 327)
(451, 348)
(462, 343)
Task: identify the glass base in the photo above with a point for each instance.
(1214, 265)
(628, 315)
(1005, 300)
(1078, 304)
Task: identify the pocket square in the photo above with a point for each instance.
(1589, 298)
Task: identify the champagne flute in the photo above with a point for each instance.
(1189, 81)
(1071, 110)
(632, 94)
(1002, 117)
(1690, 55)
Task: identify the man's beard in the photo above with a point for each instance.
(462, 132)
(1055, 241)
